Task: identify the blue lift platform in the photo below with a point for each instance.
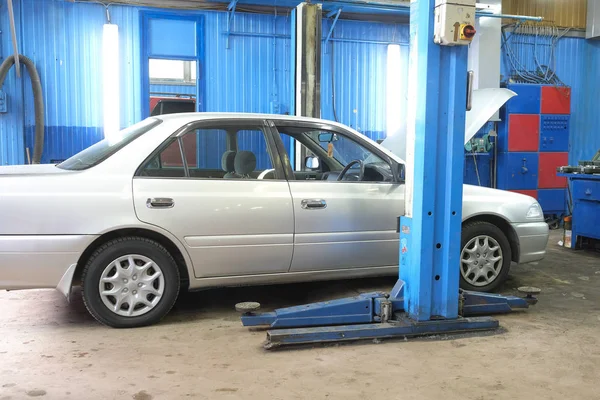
(426, 299)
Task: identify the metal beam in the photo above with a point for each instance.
(308, 59)
(230, 15)
(508, 16)
(429, 251)
(337, 15)
(13, 33)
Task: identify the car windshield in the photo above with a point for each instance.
(99, 152)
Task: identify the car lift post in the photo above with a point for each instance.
(426, 298)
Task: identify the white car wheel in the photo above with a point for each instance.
(130, 282)
(485, 256)
(131, 285)
(481, 261)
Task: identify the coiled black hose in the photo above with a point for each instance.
(38, 100)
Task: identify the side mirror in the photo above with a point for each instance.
(312, 162)
(400, 172)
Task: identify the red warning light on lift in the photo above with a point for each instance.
(467, 32)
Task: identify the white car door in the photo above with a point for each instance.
(217, 188)
(342, 224)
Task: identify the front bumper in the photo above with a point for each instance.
(533, 238)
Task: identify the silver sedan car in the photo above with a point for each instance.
(200, 200)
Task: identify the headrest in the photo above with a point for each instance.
(228, 161)
(245, 162)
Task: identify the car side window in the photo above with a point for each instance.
(167, 164)
(223, 152)
(326, 155)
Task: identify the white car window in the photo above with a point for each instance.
(324, 156)
(215, 153)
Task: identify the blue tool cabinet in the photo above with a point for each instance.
(585, 190)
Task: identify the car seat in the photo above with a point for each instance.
(245, 163)
(228, 165)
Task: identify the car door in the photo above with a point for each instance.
(340, 224)
(233, 214)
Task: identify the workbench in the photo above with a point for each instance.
(585, 189)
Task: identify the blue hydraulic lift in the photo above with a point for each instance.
(426, 298)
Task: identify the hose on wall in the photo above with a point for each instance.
(38, 100)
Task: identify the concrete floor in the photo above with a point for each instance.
(54, 350)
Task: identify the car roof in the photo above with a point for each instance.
(185, 118)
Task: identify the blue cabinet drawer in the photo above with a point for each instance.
(586, 190)
(552, 200)
(527, 101)
(517, 171)
(554, 133)
(586, 219)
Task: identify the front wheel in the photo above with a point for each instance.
(485, 257)
(130, 282)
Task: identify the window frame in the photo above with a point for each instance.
(333, 129)
(213, 123)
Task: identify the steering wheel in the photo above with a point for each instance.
(350, 164)
(264, 173)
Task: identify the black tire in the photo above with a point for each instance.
(477, 228)
(112, 250)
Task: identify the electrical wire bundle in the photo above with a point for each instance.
(530, 49)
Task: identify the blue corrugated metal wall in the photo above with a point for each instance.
(585, 131)
(64, 40)
(359, 73)
(11, 124)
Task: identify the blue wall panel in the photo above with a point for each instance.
(174, 89)
(165, 37)
(11, 123)
(359, 73)
(64, 39)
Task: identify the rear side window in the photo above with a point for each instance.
(225, 152)
(99, 152)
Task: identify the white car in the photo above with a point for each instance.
(202, 200)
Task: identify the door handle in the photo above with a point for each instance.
(160, 202)
(470, 76)
(313, 204)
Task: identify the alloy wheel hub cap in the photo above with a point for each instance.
(131, 285)
(481, 260)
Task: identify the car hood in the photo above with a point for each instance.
(485, 104)
(27, 170)
(485, 194)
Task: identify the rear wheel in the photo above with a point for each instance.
(130, 282)
(485, 256)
